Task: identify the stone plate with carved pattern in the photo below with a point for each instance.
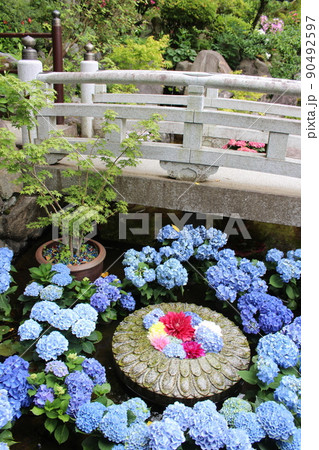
(152, 375)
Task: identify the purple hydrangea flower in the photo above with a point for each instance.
(43, 395)
(94, 369)
(58, 368)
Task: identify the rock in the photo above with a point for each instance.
(7, 61)
(254, 67)
(7, 187)
(210, 61)
(184, 66)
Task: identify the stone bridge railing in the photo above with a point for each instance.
(200, 117)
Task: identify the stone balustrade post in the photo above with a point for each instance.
(88, 89)
(28, 69)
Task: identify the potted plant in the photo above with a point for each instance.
(89, 197)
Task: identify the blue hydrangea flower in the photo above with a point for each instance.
(4, 446)
(267, 370)
(293, 331)
(294, 254)
(80, 388)
(44, 311)
(89, 416)
(5, 280)
(139, 408)
(288, 269)
(85, 311)
(152, 317)
(61, 268)
(238, 439)
(6, 411)
(274, 255)
(140, 275)
(165, 252)
(61, 279)
(248, 422)
(33, 289)
(276, 420)
(100, 301)
(205, 407)
(216, 237)
(43, 395)
(101, 282)
(295, 444)
(233, 406)
(6, 253)
(174, 350)
(94, 369)
(182, 249)
(51, 346)
(138, 437)
(30, 329)
(83, 328)
(205, 252)
(180, 413)
(132, 258)
(209, 431)
(288, 392)
(165, 435)
(58, 368)
(167, 232)
(114, 425)
(196, 320)
(278, 347)
(263, 312)
(13, 378)
(127, 301)
(171, 274)
(51, 293)
(210, 341)
(63, 319)
(148, 254)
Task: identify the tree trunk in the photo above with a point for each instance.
(261, 9)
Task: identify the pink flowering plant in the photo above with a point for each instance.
(183, 335)
(245, 146)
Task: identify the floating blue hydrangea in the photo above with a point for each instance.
(83, 328)
(58, 368)
(293, 331)
(127, 301)
(139, 408)
(233, 406)
(288, 269)
(51, 293)
(165, 435)
(295, 444)
(6, 411)
(63, 319)
(51, 346)
(33, 289)
(180, 413)
(278, 347)
(43, 395)
(167, 233)
(288, 392)
(263, 312)
(210, 341)
(274, 255)
(276, 420)
(238, 439)
(30, 329)
(89, 416)
(94, 369)
(85, 311)
(138, 437)
(171, 274)
(61, 279)
(174, 350)
(209, 431)
(114, 425)
(43, 311)
(267, 370)
(248, 422)
(196, 319)
(152, 317)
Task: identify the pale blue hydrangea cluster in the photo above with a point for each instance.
(274, 351)
(138, 437)
(230, 276)
(85, 311)
(62, 276)
(238, 439)
(4, 446)
(58, 368)
(52, 346)
(83, 328)
(171, 274)
(51, 293)
(139, 408)
(287, 268)
(43, 311)
(293, 331)
(174, 350)
(6, 255)
(232, 407)
(14, 372)
(247, 420)
(43, 395)
(6, 411)
(210, 341)
(263, 312)
(294, 444)
(276, 420)
(180, 413)
(165, 434)
(89, 416)
(63, 319)
(30, 329)
(289, 392)
(33, 289)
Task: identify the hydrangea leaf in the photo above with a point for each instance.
(61, 434)
(276, 281)
(249, 375)
(50, 424)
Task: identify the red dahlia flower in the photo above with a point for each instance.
(178, 325)
(193, 350)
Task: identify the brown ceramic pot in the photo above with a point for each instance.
(91, 270)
